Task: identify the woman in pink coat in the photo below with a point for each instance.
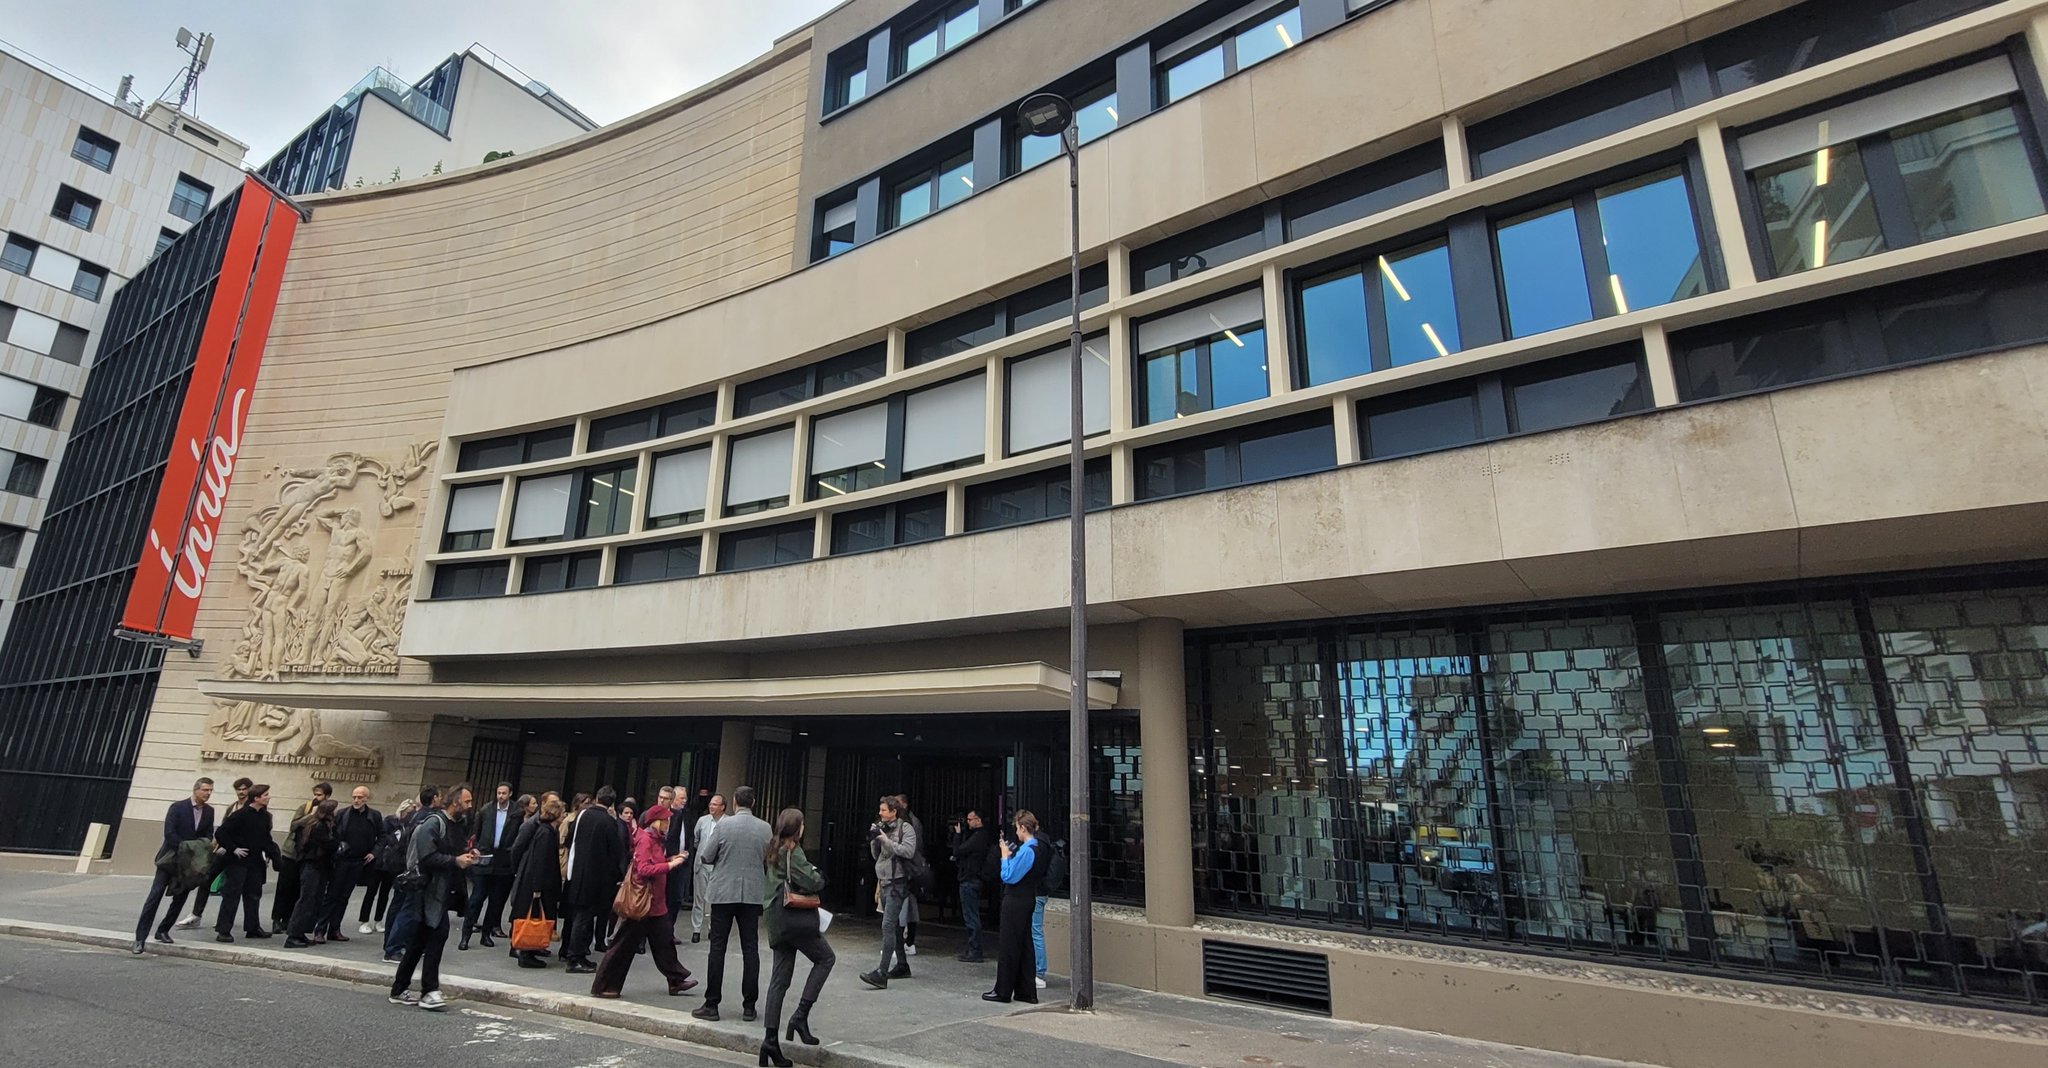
(651, 865)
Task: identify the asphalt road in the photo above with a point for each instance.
(70, 1007)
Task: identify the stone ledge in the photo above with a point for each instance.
(658, 1023)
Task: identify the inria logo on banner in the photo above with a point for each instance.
(202, 527)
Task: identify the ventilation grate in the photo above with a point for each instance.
(1279, 977)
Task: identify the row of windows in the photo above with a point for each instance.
(1773, 47)
(913, 40)
(40, 333)
(25, 257)
(189, 200)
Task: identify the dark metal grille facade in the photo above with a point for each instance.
(1844, 784)
(73, 698)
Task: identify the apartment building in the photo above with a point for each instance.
(1566, 489)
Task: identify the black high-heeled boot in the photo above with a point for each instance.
(771, 1052)
(800, 1024)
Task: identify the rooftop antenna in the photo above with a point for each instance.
(199, 47)
(121, 97)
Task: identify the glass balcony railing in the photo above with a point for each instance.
(400, 94)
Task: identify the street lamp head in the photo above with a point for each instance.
(1045, 115)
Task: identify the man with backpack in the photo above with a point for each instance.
(404, 914)
(892, 840)
(435, 861)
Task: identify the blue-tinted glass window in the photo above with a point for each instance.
(1171, 381)
(920, 46)
(1227, 369)
(1269, 38)
(1400, 425)
(913, 200)
(1816, 32)
(1190, 75)
(1334, 336)
(1095, 114)
(1238, 363)
(956, 180)
(1543, 272)
(1421, 308)
(1577, 391)
(961, 24)
(1653, 246)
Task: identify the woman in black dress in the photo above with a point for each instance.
(537, 874)
(1024, 866)
(315, 852)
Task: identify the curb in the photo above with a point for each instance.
(580, 1007)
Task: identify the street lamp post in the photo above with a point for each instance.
(1048, 114)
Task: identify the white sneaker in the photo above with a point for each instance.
(406, 998)
(188, 923)
(432, 1002)
(366, 929)
(1041, 982)
(380, 927)
(910, 951)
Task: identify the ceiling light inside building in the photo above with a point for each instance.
(1393, 279)
(1620, 301)
(1435, 341)
(1820, 242)
(1286, 39)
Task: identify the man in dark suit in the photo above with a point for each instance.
(356, 831)
(597, 861)
(187, 819)
(490, 882)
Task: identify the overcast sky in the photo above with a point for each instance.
(278, 64)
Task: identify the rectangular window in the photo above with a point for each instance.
(757, 472)
(678, 488)
(78, 209)
(849, 451)
(1939, 157)
(632, 428)
(1265, 36)
(540, 509)
(659, 562)
(164, 238)
(1583, 113)
(952, 336)
(888, 525)
(836, 229)
(1095, 114)
(48, 407)
(945, 426)
(95, 149)
(934, 37)
(1053, 302)
(846, 76)
(19, 255)
(90, 281)
(1040, 396)
(851, 369)
(536, 446)
(800, 384)
(1578, 390)
(11, 538)
(1397, 308)
(190, 197)
(1038, 495)
(788, 543)
(1996, 306)
(1367, 191)
(1256, 453)
(1816, 32)
(1203, 358)
(20, 473)
(1542, 272)
(1548, 395)
(19, 398)
(1638, 238)
(569, 571)
(472, 517)
(485, 578)
(942, 186)
(1423, 420)
(1191, 253)
(1651, 241)
(36, 333)
(609, 495)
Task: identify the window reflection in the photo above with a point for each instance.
(1193, 74)
(1333, 328)
(1269, 38)
(1228, 368)
(1543, 272)
(1818, 210)
(1095, 114)
(1653, 247)
(1422, 312)
(1966, 170)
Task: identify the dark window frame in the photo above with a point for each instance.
(620, 565)
(450, 574)
(1205, 348)
(1494, 417)
(811, 381)
(165, 238)
(11, 540)
(17, 483)
(1887, 189)
(526, 443)
(182, 198)
(1050, 299)
(1253, 230)
(726, 507)
(1097, 85)
(582, 570)
(892, 516)
(676, 519)
(1047, 482)
(99, 287)
(1225, 38)
(841, 68)
(805, 529)
(651, 423)
(930, 174)
(68, 203)
(1231, 442)
(823, 245)
(577, 510)
(1382, 185)
(938, 22)
(89, 145)
(11, 253)
(625, 502)
(47, 409)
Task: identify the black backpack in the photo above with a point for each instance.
(1056, 872)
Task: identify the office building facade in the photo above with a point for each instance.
(1567, 538)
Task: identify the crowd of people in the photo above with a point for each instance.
(593, 874)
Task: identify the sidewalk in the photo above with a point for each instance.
(937, 1018)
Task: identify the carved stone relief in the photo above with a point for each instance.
(329, 571)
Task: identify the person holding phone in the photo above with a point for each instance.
(1024, 866)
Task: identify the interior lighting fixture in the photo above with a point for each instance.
(1620, 301)
(824, 485)
(1394, 279)
(1112, 113)
(1286, 39)
(1713, 730)
(1820, 242)
(969, 181)
(1722, 745)
(1822, 161)
(1233, 338)
(1435, 340)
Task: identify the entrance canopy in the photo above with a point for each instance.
(1035, 687)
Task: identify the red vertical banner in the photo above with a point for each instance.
(184, 527)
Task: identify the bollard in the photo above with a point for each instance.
(95, 843)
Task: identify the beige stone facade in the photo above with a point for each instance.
(666, 258)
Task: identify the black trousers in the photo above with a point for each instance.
(158, 887)
(243, 889)
(310, 910)
(584, 930)
(347, 873)
(723, 917)
(423, 952)
(376, 893)
(287, 897)
(1016, 963)
(812, 945)
(487, 896)
(618, 959)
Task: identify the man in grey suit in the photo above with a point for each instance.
(738, 854)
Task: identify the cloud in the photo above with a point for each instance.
(277, 66)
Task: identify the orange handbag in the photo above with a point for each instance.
(533, 932)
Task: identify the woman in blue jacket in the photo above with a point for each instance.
(1024, 868)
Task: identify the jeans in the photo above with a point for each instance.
(811, 945)
(1038, 934)
(422, 951)
(723, 917)
(894, 893)
(404, 916)
(157, 888)
(970, 914)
